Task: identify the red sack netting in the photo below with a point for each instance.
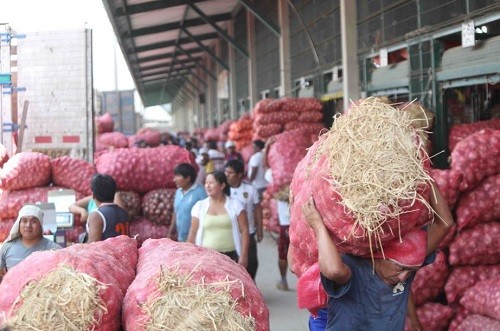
(105, 123)
(158, 205)
(460, 131)
(483, 298)
(477, 245)
(246, 153)
(315, 128)
(224, 128)
(340, 172)
(476, 322)
(12, 201)
(5, 226)
(270, 213)
(463, 278)
(448, 182)
(460, 315)
(132, 203)
(280, 118)
(433, 316)
(310, 292)
(477, 157)
(211, 134)
(285, 154)
(72, 173)
(4, 155)
(430, 280)
(241, 131)
(25, 170)
(80, 287)
(183, 286)
(143, 169)
(265, 131)
(143, 229)
(480, 205)
(151, 137)
(112, 139)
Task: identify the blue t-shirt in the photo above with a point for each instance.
(183, 203)
(366, 302)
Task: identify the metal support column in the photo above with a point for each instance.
(209, 97)
(217, 72)
(284, 40)
(252, 60)
(233, 102)
(349, 41)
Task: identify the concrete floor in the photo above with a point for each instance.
(283, 311)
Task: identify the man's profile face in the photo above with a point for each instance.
(30, 227)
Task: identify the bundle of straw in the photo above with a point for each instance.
(50, 304)
(375, 159)
(184, 304)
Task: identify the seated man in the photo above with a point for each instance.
(26, 237)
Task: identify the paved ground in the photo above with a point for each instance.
(284, 314)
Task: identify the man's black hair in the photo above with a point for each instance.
(236, 165)
(186, 170)
(103, 187)
(259, 143)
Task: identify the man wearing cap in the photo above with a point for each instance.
(366, 294)
(231, 153)
(26, 237)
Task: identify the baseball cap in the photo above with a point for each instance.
(229, 144)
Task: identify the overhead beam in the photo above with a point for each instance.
(171, 43)
(166, 55)
(162, 65)
(206, 49)
(177, 25)
(148, 6)
(212, 23)
(250, 6)
(198, 64)
(165, 72)
(198, 78)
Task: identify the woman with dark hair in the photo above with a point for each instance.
(219, 221)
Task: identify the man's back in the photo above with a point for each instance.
(115, 221)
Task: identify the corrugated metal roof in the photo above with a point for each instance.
(164, 42)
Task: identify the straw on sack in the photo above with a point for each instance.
(51, 304)
(184, 304)
(376, 160)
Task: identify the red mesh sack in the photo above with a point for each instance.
(4, 156)
(270, 213)
(476, 322)
(266, 130)
(480, 205)
(463, 278)
(460, 131)
(105, 123)
(158, 205)
(310, 292)
(143, 169)
(108, 267)
(5, 226)
(477, 157)
(433, 316)
(483, 298)
(310, 117)
(115, 139)
(477, 245)
(132, 203)
(184, 279)
(142, 229)
(13, 174)
(73, 173)
(448, 182)
(151, 137)
(429, 281)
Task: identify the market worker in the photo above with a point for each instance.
(86, 205)
(366, 295)
(220, 222)
(249, 197)
(188, 193)
(231, 153)
(256, 170)
(26, 237)
(109, 220)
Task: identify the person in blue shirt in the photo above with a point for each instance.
(366, 294)
(187, 194)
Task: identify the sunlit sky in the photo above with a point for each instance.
(25, 16)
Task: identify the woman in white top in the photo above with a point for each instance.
(220, 222)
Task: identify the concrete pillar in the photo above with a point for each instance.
(284, 40)
(252, 60)
(233, 102)
(218, 68)
(350, 63)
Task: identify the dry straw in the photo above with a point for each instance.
(375, 161)
(63, 300)
(182, 303)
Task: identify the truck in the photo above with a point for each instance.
(54, 95)
(120, 105)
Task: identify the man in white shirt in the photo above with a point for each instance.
(256, 171)
(249, 197)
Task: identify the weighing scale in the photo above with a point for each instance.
(62, 199)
